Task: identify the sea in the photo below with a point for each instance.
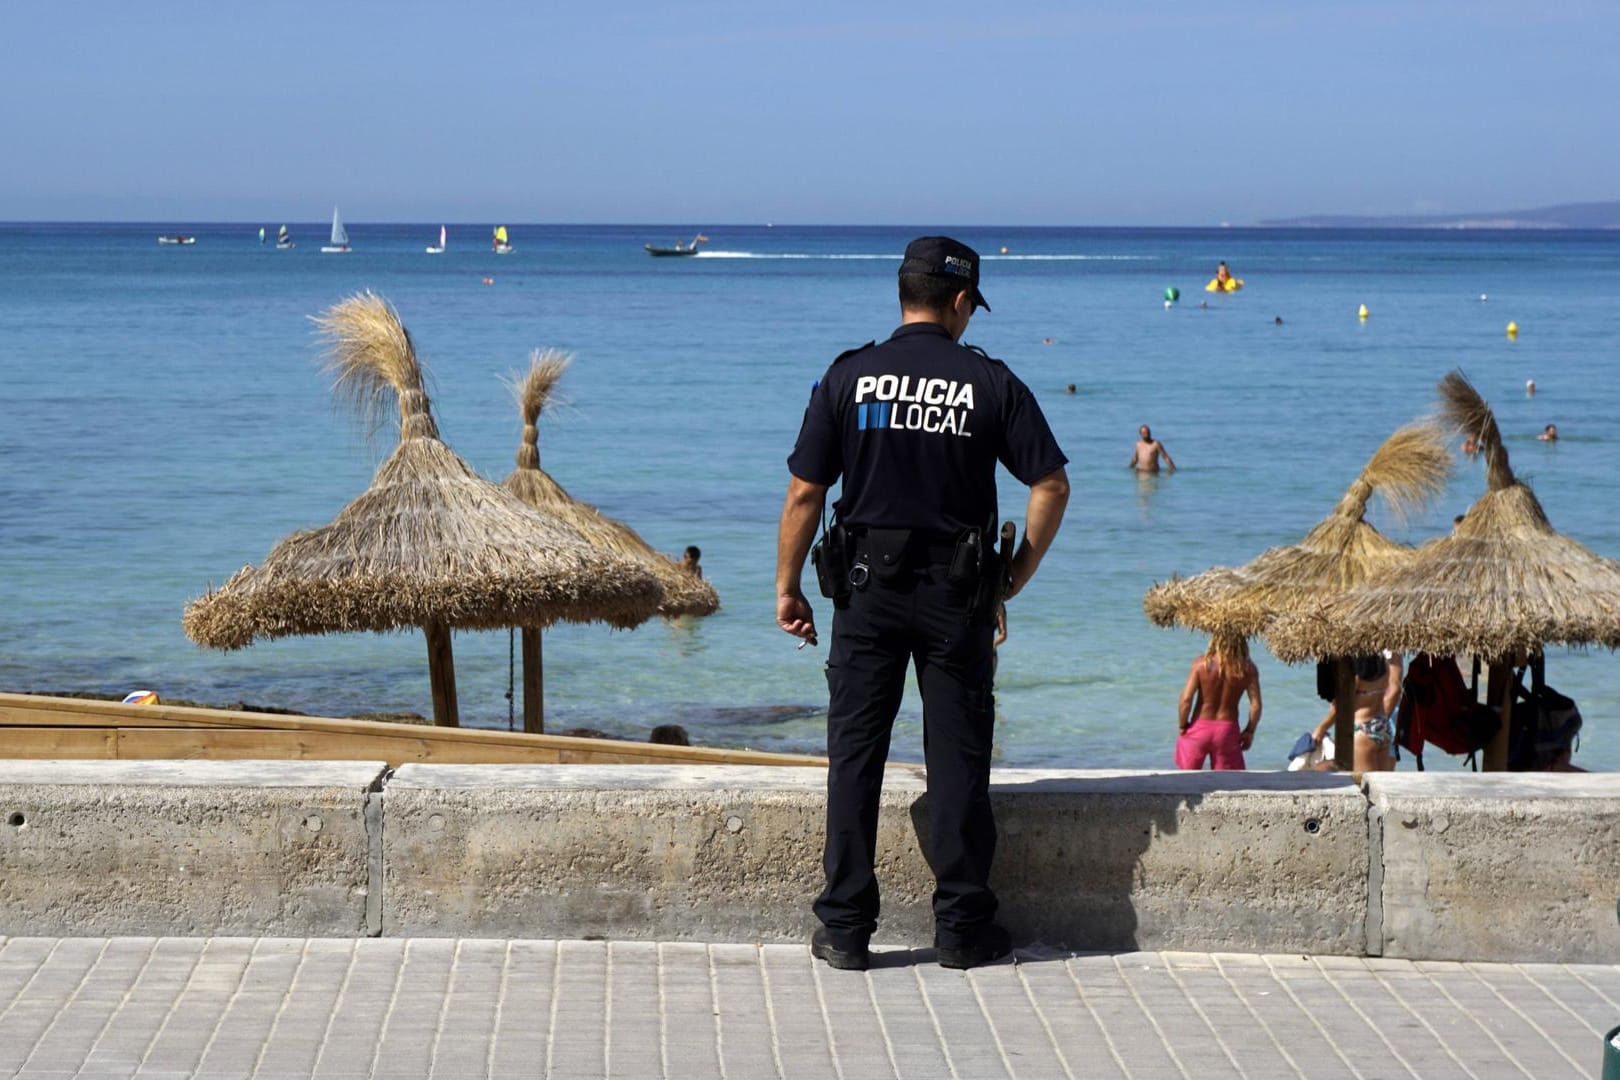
(167, 422)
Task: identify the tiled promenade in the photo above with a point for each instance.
(232, 1007)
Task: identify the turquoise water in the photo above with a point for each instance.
(168, 423)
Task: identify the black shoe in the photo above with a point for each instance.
(989, 945)
(822, 948)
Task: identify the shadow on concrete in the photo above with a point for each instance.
(1083, 858)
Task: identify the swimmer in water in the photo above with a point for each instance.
(1529, 388)
(1147, 452)
(1069, 389)
(1549, 433)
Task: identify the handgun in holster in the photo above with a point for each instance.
(994, 573)
(974, 569)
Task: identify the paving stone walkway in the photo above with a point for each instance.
(243, 1007)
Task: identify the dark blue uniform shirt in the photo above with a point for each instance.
(915, 427)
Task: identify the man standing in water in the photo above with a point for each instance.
(1145, 457)
(915, 427)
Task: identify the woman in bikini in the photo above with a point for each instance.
(1207, 713)
(1378, 692)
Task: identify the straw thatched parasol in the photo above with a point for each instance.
(1338, 553)
(1503, 584)
(430, 543)
(685, 593)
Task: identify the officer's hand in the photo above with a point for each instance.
(793, 615)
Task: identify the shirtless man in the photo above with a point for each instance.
(1145, 458)
(1378, 693)
(1206, 716)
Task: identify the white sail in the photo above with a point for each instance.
(340, 236)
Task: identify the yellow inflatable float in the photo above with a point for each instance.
(1230, 285)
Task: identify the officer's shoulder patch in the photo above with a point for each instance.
(847, 353)
(987, 356)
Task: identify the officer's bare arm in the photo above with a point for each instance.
(1048, 497)
(800, 512)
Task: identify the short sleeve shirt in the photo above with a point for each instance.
(915, 427)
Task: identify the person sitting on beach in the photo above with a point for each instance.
(689, 560)
(1378, 692)
(1145, 457)
(1206, 716)
(1549, 433)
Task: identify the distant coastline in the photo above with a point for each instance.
(1593, 215)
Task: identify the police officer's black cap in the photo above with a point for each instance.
(940, 256)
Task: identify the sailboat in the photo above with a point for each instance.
(440, 249)
(261, 234)
(502, 245)
(340, 237)
(284, 239)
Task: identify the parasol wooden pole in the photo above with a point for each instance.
(1495, 758)
(1344, 713)
(534, 694)
(442, 674)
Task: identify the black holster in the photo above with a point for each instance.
(832, 556)
(990, 590)
(977, 566)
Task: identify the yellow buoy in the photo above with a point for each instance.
(1513, 329)
(1363, 313)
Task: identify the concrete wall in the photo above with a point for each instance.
(1517, 867)
(194, 847)
(1418, 866)
(1263, 861)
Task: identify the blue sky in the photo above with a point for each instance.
(830, 112)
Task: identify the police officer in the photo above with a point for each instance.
(915, 427)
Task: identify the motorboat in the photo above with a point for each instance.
(177, 239)
(678, 249)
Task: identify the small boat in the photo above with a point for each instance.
(261, 234)
(177, 239)
(340, 237)
(284, 239)
(439, 250)
(678, 249)
(502, 245)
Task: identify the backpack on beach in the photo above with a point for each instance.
(1437, 707)
(1545, 723)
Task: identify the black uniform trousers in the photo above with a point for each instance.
(917, 617)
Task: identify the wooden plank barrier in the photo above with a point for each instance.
(40, 727)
